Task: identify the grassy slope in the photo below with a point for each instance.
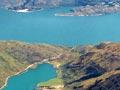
(16, 56)
(74, 66)
(9, 65)
(52, 82)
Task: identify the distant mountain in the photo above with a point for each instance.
(31, 4)
(36, 4)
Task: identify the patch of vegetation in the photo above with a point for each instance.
(52, 82)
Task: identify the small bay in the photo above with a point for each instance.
(29, 79)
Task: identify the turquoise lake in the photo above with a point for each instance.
(28, 80)
(44, 27)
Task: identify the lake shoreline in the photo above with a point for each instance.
(31, 66)
(18, 73)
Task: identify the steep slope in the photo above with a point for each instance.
(99, 60)
(98, 68)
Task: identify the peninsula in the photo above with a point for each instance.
(95, 10)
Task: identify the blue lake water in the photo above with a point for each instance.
(44, 27)
(28, 80)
